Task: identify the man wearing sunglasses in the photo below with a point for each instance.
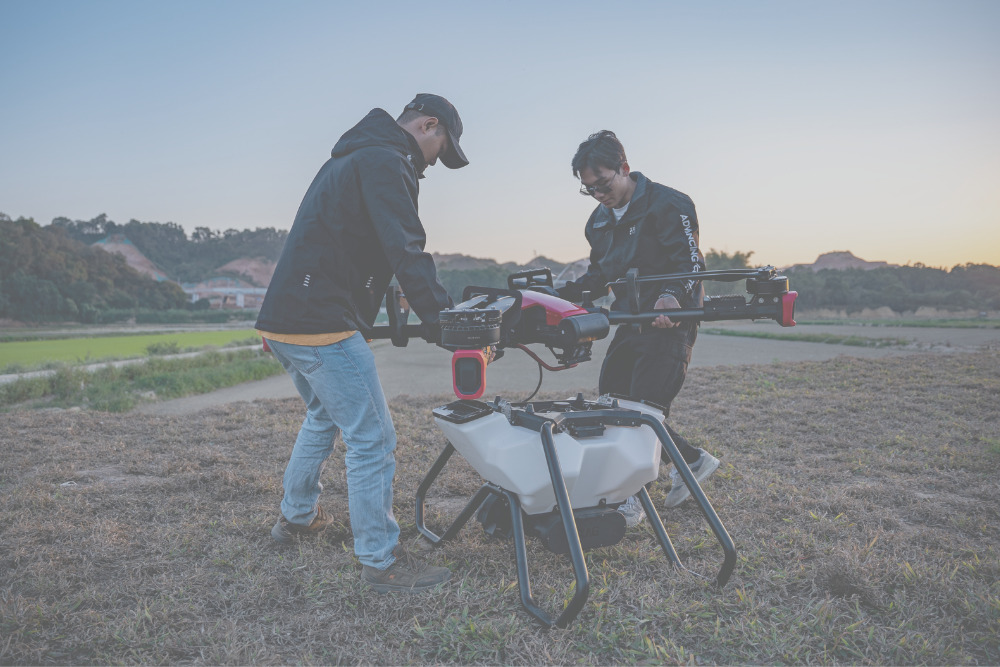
(642, 224)
(357, 226)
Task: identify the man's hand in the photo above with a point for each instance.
(665, 302)
(490, 352)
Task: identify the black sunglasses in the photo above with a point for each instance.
(591, 190)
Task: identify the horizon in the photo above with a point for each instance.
(571, 261)
(795, 128)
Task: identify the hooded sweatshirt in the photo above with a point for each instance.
(658, 234)
(356, 227)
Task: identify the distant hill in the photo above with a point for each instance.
(459, 262)
(189, 261)
(454, 262)
(183, 258)
(258, 270)
(99, 271)
(456, 271)
(841, 260)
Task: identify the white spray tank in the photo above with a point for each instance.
(601, 466)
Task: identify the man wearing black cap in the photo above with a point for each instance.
(356, 227)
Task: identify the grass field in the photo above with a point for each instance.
(32, 353)
(980, 323)
(121, 388)
(861, 495)
(829, 339)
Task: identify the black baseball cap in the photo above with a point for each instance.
(447, 115)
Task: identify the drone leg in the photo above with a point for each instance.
(572, 539)
(466, 513)
(569, 524)
(422, 492)
(521, 559)
(670, 449)
(470, 509)
(657, 523)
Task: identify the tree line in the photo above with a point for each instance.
(495, 275)
(182, 258)
(904, 289)
(47, 276)
(51, 273)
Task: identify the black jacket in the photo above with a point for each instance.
(356, 227)
(658, 234)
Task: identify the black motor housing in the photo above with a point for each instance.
(470, 329)
(583, 329)
(596, 526)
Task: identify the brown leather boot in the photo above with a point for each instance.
(284, 531)
(408, 574)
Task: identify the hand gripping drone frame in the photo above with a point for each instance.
(559, 470)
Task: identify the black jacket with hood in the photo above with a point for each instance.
(356, 227)
(658, 234)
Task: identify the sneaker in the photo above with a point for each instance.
(702, 468)
(284, 531)
(407, 574)
(632, 510)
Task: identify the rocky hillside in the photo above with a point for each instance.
(117, 243)
(257, 271)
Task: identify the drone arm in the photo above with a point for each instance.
(397, 309)
(778, 307)
(722, 275)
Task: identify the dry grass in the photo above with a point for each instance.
(862, 496)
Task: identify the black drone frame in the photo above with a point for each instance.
(546, 427)
(770, 299)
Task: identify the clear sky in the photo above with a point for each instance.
(798, 127)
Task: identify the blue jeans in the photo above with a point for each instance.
(342, 392)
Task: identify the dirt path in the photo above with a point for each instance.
(421, 369)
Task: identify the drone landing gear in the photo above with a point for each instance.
(569, 521)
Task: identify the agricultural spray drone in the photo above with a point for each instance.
(559, 470)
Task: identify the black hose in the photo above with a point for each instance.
(537, 386)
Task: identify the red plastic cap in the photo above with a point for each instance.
(788, 309)
(468, 373)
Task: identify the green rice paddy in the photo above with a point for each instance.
(32, 353)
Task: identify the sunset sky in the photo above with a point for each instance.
(797, 127)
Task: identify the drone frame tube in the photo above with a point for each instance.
(721, 534)
(582, 578)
